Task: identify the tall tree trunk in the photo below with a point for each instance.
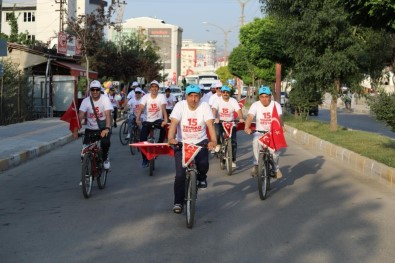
(333, 109)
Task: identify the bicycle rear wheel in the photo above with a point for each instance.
(263, 177)
(123, 132)
(190, 198)
(87, 175)
(228, 157)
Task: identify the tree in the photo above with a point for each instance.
(224, 74)
(323, 45)
(89, 30)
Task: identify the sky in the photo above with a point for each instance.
(190, 15)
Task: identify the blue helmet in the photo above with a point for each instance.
(225, 88)
(265, 90)
(192, 89)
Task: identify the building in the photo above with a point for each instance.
(44, 19)
(197, 58)
(165, 36)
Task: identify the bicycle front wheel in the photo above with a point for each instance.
(102, 177)
(123, 132)
(263, 177)
(87, 175)
(190, 198)
(228, 157)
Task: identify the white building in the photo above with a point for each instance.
(42, 18)
(197, 58)
(165, 36)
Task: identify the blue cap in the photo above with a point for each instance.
(192, 89)
(225, 88)
(264, 90)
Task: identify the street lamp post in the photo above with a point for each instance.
(225, 39)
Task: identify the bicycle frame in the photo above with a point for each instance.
(94, 149)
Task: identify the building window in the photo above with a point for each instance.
(31, 38)
(29, 17)
(8, 16)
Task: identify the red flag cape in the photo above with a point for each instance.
(241, 104)
(151, 150)
(189, 151)
(71, 116)
(241, 125)
(275, 138)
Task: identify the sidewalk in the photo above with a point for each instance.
(24, 141)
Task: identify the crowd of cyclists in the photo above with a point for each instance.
(195, 120)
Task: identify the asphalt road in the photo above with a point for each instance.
(357, 121)
(320, 211)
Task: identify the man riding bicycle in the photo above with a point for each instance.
(155, 108)
(171, 100)
(262, 111)
(190, 118)
(224, 108)
(134, 104)
(102, 107)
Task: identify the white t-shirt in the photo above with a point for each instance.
(206, 97)
(225, 109)
(112, 99)
(212, 99)
(101, 105)
(263, 115)
(170, 101)
(153, 107)
(192, 124)
(134, 108)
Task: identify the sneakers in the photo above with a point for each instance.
(202, 184)
(128, 136)
(106, 164)
(177, 208)
(254, 171)
(234, 165)
(278, 174)
(217, 148)
(144, 163)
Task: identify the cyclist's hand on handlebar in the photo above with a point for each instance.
(241, 120)
(138, 121)
(216, 120)
(172, 141)
(247, 130)
(211, 145)
(163, 124)
(104, 133)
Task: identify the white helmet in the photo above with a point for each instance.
(95, 84)
(135, 84)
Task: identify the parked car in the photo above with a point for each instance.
(177, 92)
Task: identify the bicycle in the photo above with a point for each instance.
(265, 169)
(133, 131)
(191, 184)
(152, 138)
(225, 152)
(92, 166)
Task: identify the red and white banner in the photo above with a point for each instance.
(189, 151)
(71, 116)
(241, 125)
(227, 128)
(62, 43)
(151, 150)
(241, 104)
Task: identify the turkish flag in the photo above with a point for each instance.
(227, 128)
(277, 133)
(71, 116)
(151, 150)
(241, 104)
(266, 140)
(189, 151)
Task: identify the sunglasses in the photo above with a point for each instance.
(93, 90)
(138, 92)
(217, 88)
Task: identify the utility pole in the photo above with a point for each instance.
(61, 14)
(242, 17)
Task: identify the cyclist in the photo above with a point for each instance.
(190, 118)
(135, 84)
(262, 111)
(217, 94)
(155, 108)
(134, 105)
(112, 96)
(170, 101)
(224, 108)
(103, 108)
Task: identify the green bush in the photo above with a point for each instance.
(383, 106)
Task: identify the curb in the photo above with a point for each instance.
(34, 152)
(361, 164)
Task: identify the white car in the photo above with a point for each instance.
(177, 92)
